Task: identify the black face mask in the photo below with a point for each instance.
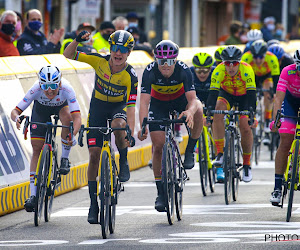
(8, 28)
(106, 36)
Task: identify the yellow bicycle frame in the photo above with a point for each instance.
(38, 167)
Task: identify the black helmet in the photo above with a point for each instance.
(121, 37)
(231, 53)
(259, 48)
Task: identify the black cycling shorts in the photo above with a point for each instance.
(232, 100)
(42, 113)
(160, 109)
(99, 112)
(259, 80)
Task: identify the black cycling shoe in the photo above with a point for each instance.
(160, 203)
(64, 166)
(124, 174)
(93, 215)
(189, 162)
(29, 204)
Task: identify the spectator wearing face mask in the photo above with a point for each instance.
(101, 43)
(268, 28)
(279, 32)
(8, 22)
(84, 46)
(120, 23)
(133, 21)
(33, 41)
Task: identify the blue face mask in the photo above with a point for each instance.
(35, 25)
(279, 32)
(132, 25)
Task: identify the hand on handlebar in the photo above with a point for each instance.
(189, 120)
(144, 136)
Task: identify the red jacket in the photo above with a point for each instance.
(7, 48)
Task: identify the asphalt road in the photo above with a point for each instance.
(249, 223)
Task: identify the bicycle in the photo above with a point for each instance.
(291, 181)
(206, 152)
(173, 173)
(108, 184)
(232, 151)
(47, 176)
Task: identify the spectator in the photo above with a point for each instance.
(85, 46)
(8, 22)
(133, 21)
(279, 32)
(101, 43)
(235, 30)
(33, 42)
(268, 28)
(120, 23)
(137, 44)
(19, 26)
(243, 34)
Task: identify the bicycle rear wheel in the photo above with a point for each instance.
(104, 195)
(235, 165)
(212, 170)
(168, 182)
(114, 200)
(257, 135)
(51, 189)
(227, 168)
(203, 168)
(41, 184)
(179, 186)
(295, 168)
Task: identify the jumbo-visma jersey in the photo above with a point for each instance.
(236, 85)
(118, 87)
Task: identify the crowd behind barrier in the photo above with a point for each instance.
(17, 74)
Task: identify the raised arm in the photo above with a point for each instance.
(69, 52)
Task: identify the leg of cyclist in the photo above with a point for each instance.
(219, 133)
(246, 141)
(158, 140)
(268, 102)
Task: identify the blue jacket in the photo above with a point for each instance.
(267, 34)
(30, 43)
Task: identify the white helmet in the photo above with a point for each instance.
(297, 57)
(49, 74)
(254, 35)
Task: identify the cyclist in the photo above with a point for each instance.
(266, 68)
(287, 99)
(114, 98)
(233, 82)
(51, 94)
(167, 85)
(252, 36)
(273, 41)
(217, 55)
(284, 59)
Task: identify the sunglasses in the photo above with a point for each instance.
(52, 86)
(123, 49)
(232, 63)
(170, 62)
(202, 70)
(259, 56)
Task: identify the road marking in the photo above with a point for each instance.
(16, 243)
(101, 242)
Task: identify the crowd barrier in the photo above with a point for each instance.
(17, 75)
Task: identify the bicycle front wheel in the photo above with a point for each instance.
(168, 182)
(212, 170)
(179, 175)
(227, 168)
(203, 168)
(236, 163)
(104, 195)
(294, 175)
(41, 184)
(114, 200)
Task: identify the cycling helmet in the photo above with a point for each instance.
(203, 60)
(259, 48)
(297, 57)
(273, 41)
(49, 74)
(253, 35)
(166, 49)
(231, 53)
(277, 50)
(121, 37)
(218, 53)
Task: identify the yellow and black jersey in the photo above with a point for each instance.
(118, 87)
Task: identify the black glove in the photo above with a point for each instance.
(79, 39)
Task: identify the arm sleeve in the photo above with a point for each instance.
(251, 96)
(91, 59)
(188, 81)
(133, 91)
(71, 99)
(275, 81)
(212, 98)
(31, 95)
(146, 80)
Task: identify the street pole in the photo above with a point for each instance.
(284, 17)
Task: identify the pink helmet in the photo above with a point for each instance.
(166, 49)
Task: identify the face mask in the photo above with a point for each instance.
(271, 26)
(18, 26)
(132, 24)
(8, 28)
(35, 25)
(279, 32)
(88, 41)
(106, 36)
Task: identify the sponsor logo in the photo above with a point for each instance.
(182, 64)
(106, 76)
(132, 97)
(121, 37)
(133, 72)
(73, 100)
(58, 99)
(291, 72)
(150, 66)
(34, 126)
(25, 100)
(92, 141)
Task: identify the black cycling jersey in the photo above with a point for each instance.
(287, 59)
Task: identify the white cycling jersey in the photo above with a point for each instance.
(65, 93)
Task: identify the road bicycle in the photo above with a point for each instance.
(206, 152)
(108, 183)
(173, 173)
(291, 181)
(47, 176)
(232, 156)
